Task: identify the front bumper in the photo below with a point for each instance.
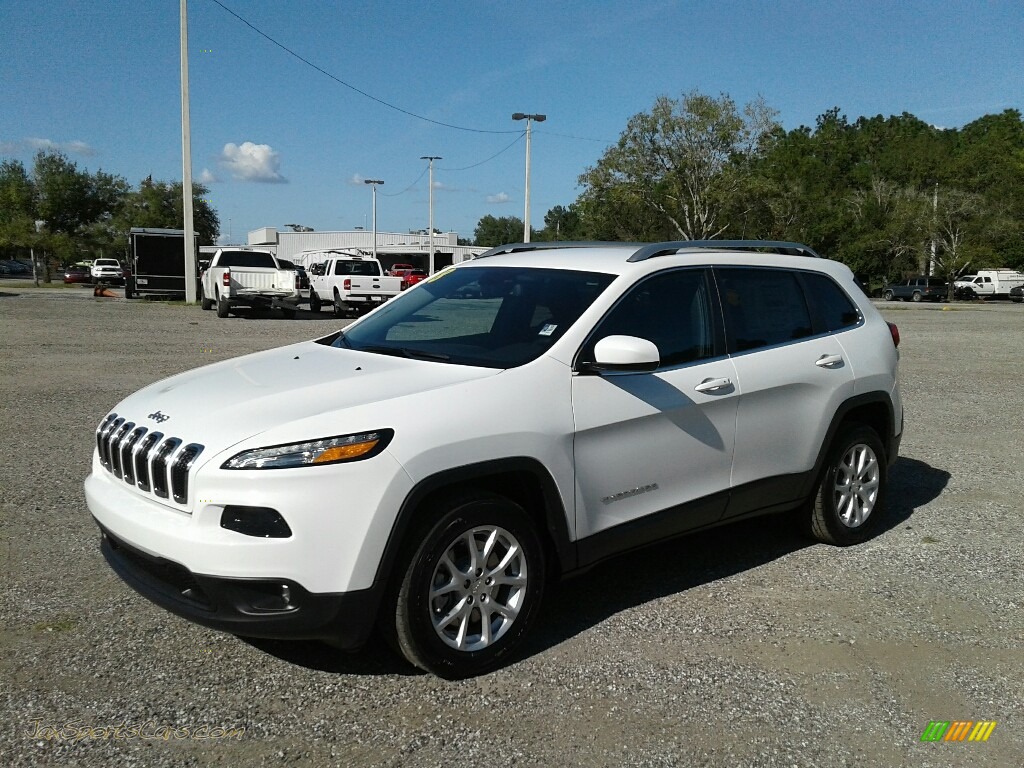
(264, 607)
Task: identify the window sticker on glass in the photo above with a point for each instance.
(548, 329)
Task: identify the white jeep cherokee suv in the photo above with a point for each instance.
(431, 468)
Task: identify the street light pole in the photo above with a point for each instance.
(430, 197)
(186, 163)
(374, 183)
(529, 122)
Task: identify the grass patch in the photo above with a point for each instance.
(59, 625)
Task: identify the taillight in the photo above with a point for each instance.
(895, 333)
(226, 278)
(347, 284)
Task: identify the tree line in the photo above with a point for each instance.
(889, 197)
(68, 214)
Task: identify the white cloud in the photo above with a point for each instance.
(252, 162)
(208, 177)
(498, 199)
(35, 144)
(356, 180)
(442, 187)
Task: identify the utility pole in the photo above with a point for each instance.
(529, 121)
(935, 221)
(186, 163)
(374, 183)
(430, 230)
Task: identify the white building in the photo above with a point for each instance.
(392, 247)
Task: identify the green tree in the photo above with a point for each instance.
(18, 209)
(160, 205)
(491, 231)
(562, 223)
(678, 161)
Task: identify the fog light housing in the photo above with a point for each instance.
(263, 522)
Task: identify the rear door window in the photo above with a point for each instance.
(762, 307)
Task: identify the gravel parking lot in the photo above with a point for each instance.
(743, 646)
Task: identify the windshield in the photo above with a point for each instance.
(496, 317)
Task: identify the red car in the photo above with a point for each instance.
(76, 273)
(400, 270)
(413, 276)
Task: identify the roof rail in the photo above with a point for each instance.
(548, 245)
(770, 246)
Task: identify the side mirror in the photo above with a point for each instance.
(625, 354)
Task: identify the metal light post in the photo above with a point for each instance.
(374, 183)
(529, 122)
(32, 253)
(186, 164)
(430, 197)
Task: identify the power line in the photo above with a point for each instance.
(579, 138)
(396, 194)
(506, 149)
(338, 80)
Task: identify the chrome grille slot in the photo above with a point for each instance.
(180, 469)
(142, 457)
(114, 446)
(108, 436)
(160, 458)
(101, 439)
(127, 459)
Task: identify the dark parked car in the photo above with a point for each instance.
(1017, 294)
(77, 273)
(917, 289)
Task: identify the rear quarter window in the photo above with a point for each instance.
(834, 308)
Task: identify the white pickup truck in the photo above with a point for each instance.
(251, 279)
(990, 282)
(351, 283)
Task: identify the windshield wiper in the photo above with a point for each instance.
(415, 354)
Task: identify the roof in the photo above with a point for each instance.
(617, 258)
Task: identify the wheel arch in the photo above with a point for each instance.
(874, 410)
(523, 480)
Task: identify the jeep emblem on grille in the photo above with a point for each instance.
(158, 417)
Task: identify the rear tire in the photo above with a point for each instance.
(850, 496)
(314, 302)
(129, 292)
(888, 295)
(223, 308)
(339, 306)
(916, 296)
(471, 587)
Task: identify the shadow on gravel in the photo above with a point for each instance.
(675, 566)
(637, 577)
(912, 484)
(375, 659)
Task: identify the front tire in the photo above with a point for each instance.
(471, 588)
(314, 302)
(888, 295)
(849, 499)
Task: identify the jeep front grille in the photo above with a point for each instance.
(147, 460)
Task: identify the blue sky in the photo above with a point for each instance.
(283, 143)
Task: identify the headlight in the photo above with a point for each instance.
(329, 450)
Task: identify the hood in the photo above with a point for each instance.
(221, 404)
